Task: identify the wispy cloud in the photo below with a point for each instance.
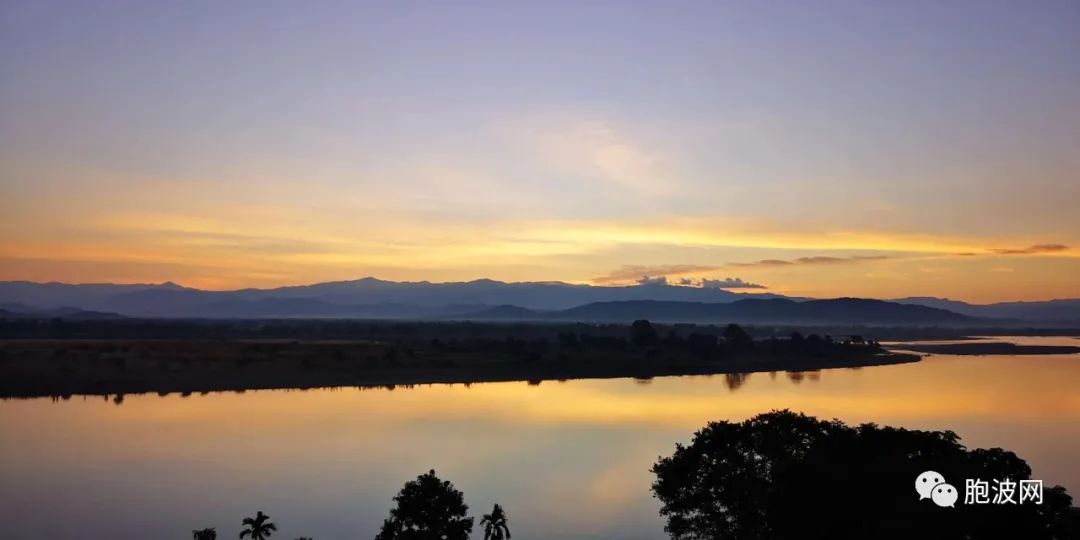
(611, 154)
(1036, 249)
(628, 273)
(810, 261)
(705, 283)
(730, 283)
(658, 280)
(733, 232)
(667, 274)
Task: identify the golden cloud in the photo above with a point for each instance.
(1032, 250)
(634, 273)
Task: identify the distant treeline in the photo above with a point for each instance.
(323, 329)
(708, 343)
(381, 354)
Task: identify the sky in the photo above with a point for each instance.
(834, 148)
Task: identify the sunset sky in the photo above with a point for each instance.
(879, 149)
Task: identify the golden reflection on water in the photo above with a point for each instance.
(566, 459)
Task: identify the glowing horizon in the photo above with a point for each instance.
(823, 152)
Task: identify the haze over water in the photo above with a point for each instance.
(566, 459)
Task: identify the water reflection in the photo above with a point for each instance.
(733, 381)
(325, 463)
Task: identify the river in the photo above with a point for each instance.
(566, 460)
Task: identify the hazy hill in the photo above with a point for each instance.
(771, 311)
(368, 297)
(484, 298)
(533, 295)
(17, 310)
(1060, 311)
(57, 295)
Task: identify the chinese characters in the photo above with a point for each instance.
(1007, 491)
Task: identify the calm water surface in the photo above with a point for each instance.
(567, 460)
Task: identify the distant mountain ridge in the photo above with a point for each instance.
(367, 297)
(1058, 310)
(771, 311)
(376, 298)
(16, 310)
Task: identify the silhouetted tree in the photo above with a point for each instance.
(797, 340)
(495, 525)
(427, 509)
(568, 340)
(642, 333)
(702, 345)
(204, 534)
(258, 527)
(737, 338)
(783, 475)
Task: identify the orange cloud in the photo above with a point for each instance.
(635, 272)
(812, 260)
(1032, 250)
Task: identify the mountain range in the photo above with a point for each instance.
(1064, 310)
(774, 310)
(496, 300)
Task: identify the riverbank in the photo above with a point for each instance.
(41, 368)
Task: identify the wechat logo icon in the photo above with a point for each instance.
(931, 485)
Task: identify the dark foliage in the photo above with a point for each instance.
(258, 527)
(783, 475)
(204, 534)
(407, 353)
(642, 333)
(737, 338)
(496, 525)
(427, 509)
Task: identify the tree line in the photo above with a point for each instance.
(427, 508)
(777, 476)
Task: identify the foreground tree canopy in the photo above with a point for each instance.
(783, 475)
(258, 527)
(496, 525)
(427, 509)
